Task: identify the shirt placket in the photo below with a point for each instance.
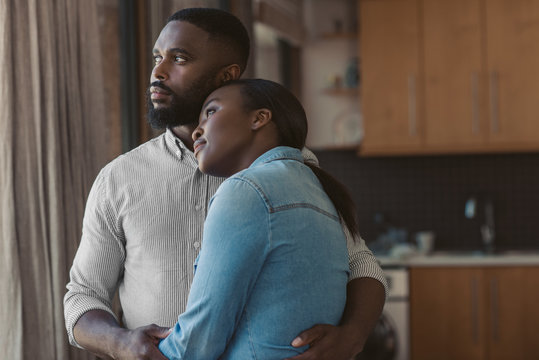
(197, 201)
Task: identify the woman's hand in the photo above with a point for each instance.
(327, 342)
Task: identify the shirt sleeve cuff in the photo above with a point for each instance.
(74, 309)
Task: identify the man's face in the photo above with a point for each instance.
(186, 70)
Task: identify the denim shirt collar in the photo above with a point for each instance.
(278, 153)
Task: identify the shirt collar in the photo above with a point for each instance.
(278, 153)
(175, 144)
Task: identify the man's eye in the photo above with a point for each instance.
(180, 59)
(157, 59)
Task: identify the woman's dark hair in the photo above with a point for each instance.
(221, 26)
(291, 122)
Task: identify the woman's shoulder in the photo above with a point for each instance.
(275, 172)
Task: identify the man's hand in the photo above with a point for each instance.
(141, 343)
(326, 342)
(98, 332)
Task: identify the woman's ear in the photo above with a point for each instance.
(260, 119)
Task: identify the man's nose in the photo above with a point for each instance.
(160, 71)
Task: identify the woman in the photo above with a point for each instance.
(274, 259)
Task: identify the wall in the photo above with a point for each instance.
(429, 193)
(267, 58)
(323, 59)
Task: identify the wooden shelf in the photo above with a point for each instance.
(339, 36)
(336, 147)
(342, 91)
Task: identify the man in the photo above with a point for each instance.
(144, 216)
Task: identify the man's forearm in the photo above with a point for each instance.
(365, 299)
(98, 331)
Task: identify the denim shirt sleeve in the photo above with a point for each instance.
(234, 248)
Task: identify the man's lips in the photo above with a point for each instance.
(158, 93)
(198, 146)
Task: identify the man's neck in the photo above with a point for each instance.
(184, 133)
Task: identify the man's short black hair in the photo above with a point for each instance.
(221, 25)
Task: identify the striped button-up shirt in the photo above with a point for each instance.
(142, 232)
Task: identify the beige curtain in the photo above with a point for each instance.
(53, 140)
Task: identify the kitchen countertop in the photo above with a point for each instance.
(462, 259)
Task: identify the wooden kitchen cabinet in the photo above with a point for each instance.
(471, 75)
(390, 75)
(453, 64)
(482, 313)
(445, 313)
(512, 67)
(513, 315)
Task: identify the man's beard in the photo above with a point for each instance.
(182, 110)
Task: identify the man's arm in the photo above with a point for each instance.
(98, 332)
(94, 278)
(365, 297)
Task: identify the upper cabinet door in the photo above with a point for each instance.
(512, 37)
(449, 76)
(453, 63)
(389, 53)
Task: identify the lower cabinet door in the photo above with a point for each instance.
(446, 313)
(513, 307)
(489, 313)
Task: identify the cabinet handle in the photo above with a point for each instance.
(475, 311)
(412, 111)
(475, 102)
(494, 120)
(494, 309)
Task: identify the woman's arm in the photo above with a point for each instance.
(364, 304)
(234, 248)
(365, 297)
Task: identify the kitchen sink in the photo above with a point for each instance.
(480, 253)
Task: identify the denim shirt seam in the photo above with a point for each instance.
(304, 205)
(251, 340)
(258, 189)
(279, 153)
(272, 209)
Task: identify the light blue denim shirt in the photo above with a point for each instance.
(273, 263)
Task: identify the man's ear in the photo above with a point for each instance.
(230, 72)
(260, 119)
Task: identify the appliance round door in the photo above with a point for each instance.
(382, 343)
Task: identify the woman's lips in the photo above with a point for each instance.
(198, 146)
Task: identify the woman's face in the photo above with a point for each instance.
(224, 137)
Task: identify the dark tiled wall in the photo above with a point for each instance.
(429, 193)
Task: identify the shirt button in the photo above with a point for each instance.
(198, 207)
(196, 244)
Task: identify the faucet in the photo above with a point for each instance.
(488, 234)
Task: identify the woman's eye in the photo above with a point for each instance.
(210, 112)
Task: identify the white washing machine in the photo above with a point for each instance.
(390, 339)
(397, 309)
